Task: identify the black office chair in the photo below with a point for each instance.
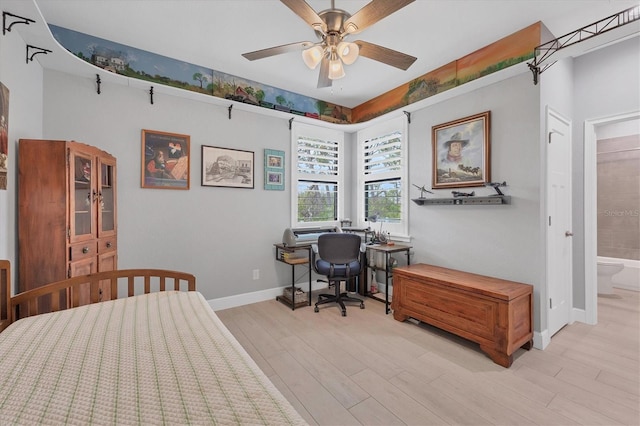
(337, 256)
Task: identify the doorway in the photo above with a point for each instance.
(590, 210)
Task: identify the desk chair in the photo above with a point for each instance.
(337, 256)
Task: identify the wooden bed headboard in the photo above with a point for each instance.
(5, 294)
(65, 294)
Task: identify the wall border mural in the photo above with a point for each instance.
(140, 64)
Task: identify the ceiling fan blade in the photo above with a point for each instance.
(372, 13)
(306, 12)
(385, 55)
(323, 78)
(277, 50)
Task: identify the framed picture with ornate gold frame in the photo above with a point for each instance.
(461, 152)
(165, 160)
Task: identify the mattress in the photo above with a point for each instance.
(158, 358)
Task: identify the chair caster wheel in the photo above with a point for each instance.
(362, 306)
(344, 313)
(316, 309)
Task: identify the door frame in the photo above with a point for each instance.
(590, 210)
(546, 337)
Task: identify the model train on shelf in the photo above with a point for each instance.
(269, 105)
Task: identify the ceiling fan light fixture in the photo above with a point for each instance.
(312, 56)
(351, 28)
(348, 52)
(336, 70)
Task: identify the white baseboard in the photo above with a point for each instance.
(579, 315)
(257, 296)
(541, 339)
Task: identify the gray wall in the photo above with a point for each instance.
(219, 234)
(222, 234)
(25, 121)
(501, 241)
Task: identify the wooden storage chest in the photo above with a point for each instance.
(493, 312)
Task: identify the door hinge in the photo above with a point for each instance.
(549, 220)
(550, 304)
(69, 232)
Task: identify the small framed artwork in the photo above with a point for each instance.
(273, 170)
(165, 160)
(461, 152)
(4, 134)
(233, 168)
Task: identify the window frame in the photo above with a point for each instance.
(301, 130)
(399, 231)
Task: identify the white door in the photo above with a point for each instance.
(559, 232)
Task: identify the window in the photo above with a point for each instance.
(382, 178)
(317, 174)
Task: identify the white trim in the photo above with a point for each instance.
(541, 339)
(590, 211)
(322, 133)
(259, 296)
(579, 315)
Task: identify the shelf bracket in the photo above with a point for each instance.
(291, 122)
(151, 94)
(408, 114)
(37, 50)
(536, 70)
(98, 82)
(19, 20)
(230, 108)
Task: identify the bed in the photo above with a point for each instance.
(160, 355)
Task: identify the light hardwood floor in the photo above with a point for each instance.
(366, 368)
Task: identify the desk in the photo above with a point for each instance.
(387, 250)
(289, 256)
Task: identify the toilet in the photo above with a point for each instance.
(606, 270)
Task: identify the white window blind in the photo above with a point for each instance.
(317, 176)
(383, 154)
(382, 179)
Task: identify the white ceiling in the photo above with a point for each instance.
(214, 34)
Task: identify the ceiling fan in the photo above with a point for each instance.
(332, 26)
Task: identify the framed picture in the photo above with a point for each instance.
(273, 170)
(461, 152)
(232, 168)
(165, 160)
(4, 134)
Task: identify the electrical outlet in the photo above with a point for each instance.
(256, 274)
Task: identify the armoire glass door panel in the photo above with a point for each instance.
(107, 198)
(83, 197)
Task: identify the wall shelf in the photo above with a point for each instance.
(488, 200)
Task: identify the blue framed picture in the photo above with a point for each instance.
(273, 170)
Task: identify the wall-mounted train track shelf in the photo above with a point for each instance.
(462, 198)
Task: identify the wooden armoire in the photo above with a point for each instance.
(67, 221)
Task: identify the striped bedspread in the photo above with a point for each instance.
(159, 358)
